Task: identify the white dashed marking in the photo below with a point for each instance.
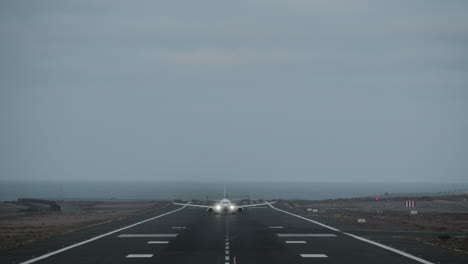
(158, 242)
(314, 256)
(295, 242)
(275, 227)
(306, 235)
(147, 235)
(140, 256)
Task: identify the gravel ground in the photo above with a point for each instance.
(19, 228)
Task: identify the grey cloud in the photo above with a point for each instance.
(311, 90)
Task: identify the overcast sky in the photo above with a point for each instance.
(272, 90)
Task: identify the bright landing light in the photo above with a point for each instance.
(218, 207)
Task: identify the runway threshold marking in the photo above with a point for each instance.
(98, 237)
(139, 256)
(394, 250)
(314, 256)
(146, 235)
(306, 235)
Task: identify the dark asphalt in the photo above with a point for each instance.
(243, 238)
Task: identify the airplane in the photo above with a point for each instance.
(224, 206)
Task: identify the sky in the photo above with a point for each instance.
(259, 90)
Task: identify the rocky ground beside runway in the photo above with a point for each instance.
(443, 219)
(21, 225)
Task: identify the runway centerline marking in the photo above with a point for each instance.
(139, 256)
(314, 256)
(98, 237)
(295, 242)
(275, 227)
(178, 227)
(226, 251)
(306, 235)
(394, 250)
(146, 235)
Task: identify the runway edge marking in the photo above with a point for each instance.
(98, 237)
(358, 237)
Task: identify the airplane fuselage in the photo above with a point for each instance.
(225, 206)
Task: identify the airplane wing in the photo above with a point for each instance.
(252, 205)
(193, 205)
(238, 206)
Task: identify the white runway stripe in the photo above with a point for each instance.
(178, 227)
(314, 256)
(147, 235)
(306, 235)
(295, 242)
(158, 242)
(402, 253)
(304, 218)
(390, 248)
(140, 256)
(275, 227)
(98, 237)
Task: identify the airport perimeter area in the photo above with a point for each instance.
(278, 233)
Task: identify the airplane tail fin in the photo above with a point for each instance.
(224, 196)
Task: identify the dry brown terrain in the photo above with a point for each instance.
(445, 216)
(18, 227)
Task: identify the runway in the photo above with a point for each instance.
(190, 235)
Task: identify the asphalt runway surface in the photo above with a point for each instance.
(259, 235)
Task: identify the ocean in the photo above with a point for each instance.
(125, 191)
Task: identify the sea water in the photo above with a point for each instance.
(154, 190)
